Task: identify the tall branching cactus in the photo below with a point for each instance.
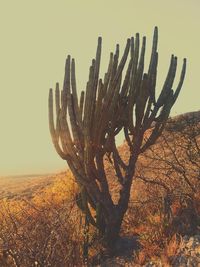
(84, 130)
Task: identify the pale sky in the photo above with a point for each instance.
(36, 37)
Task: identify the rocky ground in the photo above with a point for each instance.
(187, 255)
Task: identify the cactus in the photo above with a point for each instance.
(84, 130)
(82, 203)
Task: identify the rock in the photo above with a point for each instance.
(188, 256)
(189, 253)
(190, 243)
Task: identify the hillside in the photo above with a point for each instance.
(13, 187)
(161, 225)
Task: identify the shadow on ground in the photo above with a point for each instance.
(122, 252)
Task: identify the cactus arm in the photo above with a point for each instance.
(114, 66)
(66, 84)
(54, 136)
(67, 94)
(94, 86)
(142, 92)
(99, 103)
(113, 110)
(152, 80)
(160, 122)
(67, 142)
(181, 80)
(141, 62)
(117, 156)
(99, 100)
(135, 54)
(152, 75)
(99, 216)
(70, 106)
(88, 97)
(126, 83)
(107, 76)
(153, 52)
(143, 95)
(118, 170)
(131, 97)
(97, 68)
(127, 138)
(82, 104)
(87, 120)
(57, 99)
(86, 209)
(168, 82)
(77, 112)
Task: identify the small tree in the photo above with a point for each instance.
(85, 130)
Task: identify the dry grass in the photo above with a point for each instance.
(44, 230)
(45, 212)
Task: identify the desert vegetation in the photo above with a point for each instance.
(42, 230)
(47, 229)
(85, 131)
(130, 205)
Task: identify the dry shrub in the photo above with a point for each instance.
(44, 231)
(172, 246)
(140, 257)
(171, 250)
(48, 230)
(167, 201)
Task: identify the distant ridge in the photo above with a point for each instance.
(193, 115)
(27, 175)
(181, 121)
